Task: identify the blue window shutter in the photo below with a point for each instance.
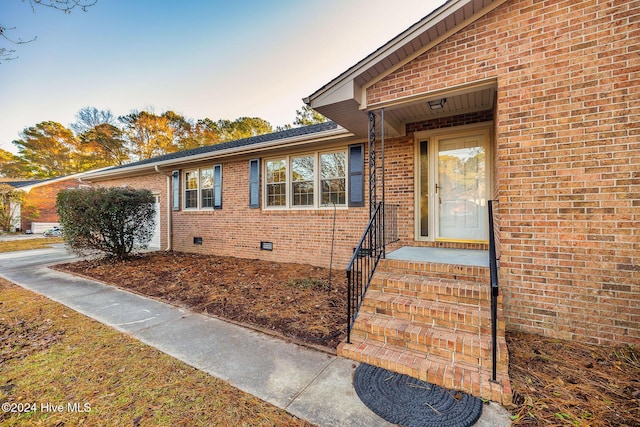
(217, 187)
(254, 183)
(175, 183)
(356, 175)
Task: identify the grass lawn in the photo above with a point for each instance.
(62, 368)
(27, 244)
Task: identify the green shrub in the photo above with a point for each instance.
(114, 221)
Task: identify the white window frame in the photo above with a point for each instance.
(314, 179)
(344, 178)
(199, 188)
(185, 182)
(284, 159)
(317, 180)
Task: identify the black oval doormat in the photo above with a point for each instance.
(406, 401)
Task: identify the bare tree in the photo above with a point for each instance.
(90, 117)
(9, 54)
(65, 6)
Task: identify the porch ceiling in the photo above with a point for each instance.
(397, 116)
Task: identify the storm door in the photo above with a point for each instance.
(453, 187)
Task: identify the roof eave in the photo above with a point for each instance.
(389, 48)
(325, 136)
(77, 176)
(344, 99)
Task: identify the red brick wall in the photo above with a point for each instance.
(43, 200)
(567, 157)
(236, 230)
(297, 235)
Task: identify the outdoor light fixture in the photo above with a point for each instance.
(437, 105)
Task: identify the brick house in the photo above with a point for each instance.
(211, 198)
(531, 104)
(38, 212)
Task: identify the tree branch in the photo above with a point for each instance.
(65, 6)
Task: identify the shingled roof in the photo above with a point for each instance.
(20, 184)
(275, 136)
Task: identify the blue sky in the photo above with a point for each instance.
(199, 58)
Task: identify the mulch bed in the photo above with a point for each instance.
(555, 382)
(558, 382)
(295, 300)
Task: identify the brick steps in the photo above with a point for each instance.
(432, 288)
(442, 271)
(466, 377)
(444, 315)
(433, 322)
(440, 342)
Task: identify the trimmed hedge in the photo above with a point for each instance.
(114, 221)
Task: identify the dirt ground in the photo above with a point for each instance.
(563, 383)
(292, 300)
(555, 382)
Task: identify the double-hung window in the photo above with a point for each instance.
(302, 180)
(310, 180)
(276, 182)
(191, 182)
(206, 188)
(333, 185)
(203, 188)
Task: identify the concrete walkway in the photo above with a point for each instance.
(308, 384)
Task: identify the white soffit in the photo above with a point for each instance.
(445, 21)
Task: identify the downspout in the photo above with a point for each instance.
(169, 211)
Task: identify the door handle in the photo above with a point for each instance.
(436, 188)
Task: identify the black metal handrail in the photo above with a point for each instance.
(493, 268)
(381, 230)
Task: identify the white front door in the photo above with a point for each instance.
(453, 187)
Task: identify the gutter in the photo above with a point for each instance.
(77, 176)
(169, 217)
(325, 136)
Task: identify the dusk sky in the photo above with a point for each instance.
(199, 58)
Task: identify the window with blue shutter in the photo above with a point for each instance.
(217, 187)
(175, 183)
(356, 175)
(254, 183)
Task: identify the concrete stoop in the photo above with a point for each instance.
(432, 322)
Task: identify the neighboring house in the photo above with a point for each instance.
(10, 206)
(40, 198)
(535, 105)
